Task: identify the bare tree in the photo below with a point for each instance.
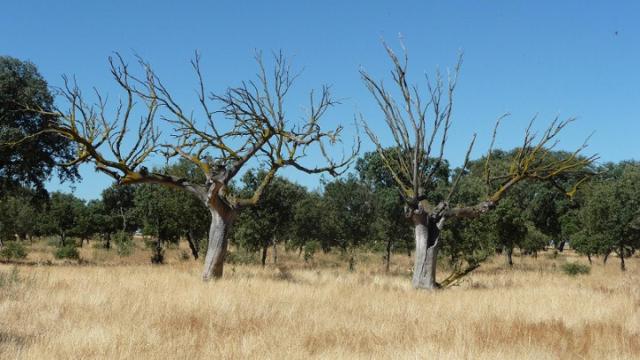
(250, 124)
(420, 129)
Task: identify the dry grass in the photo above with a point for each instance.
(139, 311)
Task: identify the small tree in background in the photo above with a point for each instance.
(270, 222)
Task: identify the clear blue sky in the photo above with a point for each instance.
(568, 58)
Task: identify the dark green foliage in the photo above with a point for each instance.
(610, 214)
(348, 213)
(67, 251)
(271, 221)
(574, 269)
(13, 250)
(28, 162)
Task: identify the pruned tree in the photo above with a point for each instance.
(420, 128)
(250, 125)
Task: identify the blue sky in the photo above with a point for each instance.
(566, 58)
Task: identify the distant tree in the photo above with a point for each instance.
(263, 226)
(308, 226)
(610, 215)
(89, 220)
(119, 203)
(63, 212)
(18, 215)
(28, 156)
(509, 226)
(348, 207)
(419, 148)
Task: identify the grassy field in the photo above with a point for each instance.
(122, 308)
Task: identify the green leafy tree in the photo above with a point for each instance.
(28, 155)
(348, 210)
(610, 214)
(270, 222)
(63, 212)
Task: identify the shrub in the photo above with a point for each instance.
(240, 257)
(124, 243)
(13, 250)
(68, 251)
(574, 269)
(310, 248)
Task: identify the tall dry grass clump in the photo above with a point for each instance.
(159, 312)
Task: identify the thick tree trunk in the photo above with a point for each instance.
(217, 248)
(427, 237)
(622, 265)
(193, 244)
(560, 246)
(509, 255)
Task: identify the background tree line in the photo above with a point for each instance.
(360, 211)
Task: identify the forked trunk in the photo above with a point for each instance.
(217, 247)
(427, 237)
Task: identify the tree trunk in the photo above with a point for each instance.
(606, 256)
(221, 221)
(387, 257)
(560, 246)
(427, 235)
(263, 261)
(275, 250)
(589, 258)
(193, 244)
(622, 265)
(509, 255)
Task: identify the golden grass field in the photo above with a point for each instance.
(123, 308)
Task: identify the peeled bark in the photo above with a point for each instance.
(217, 247)
(427, 235)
